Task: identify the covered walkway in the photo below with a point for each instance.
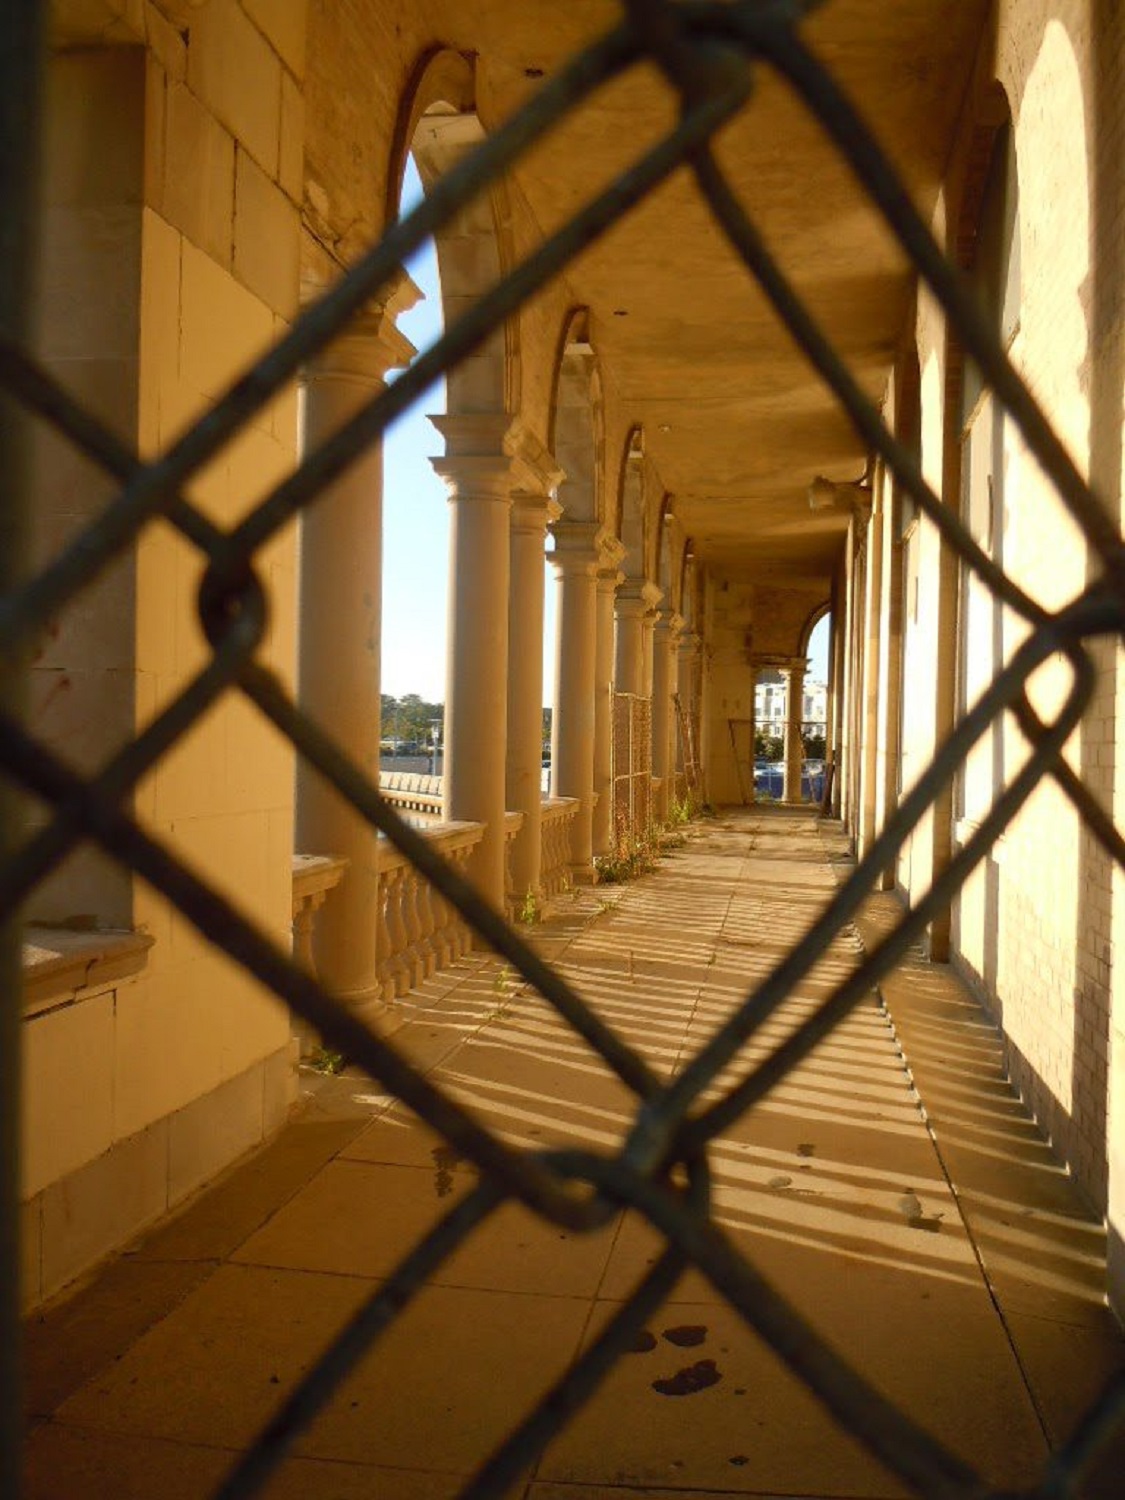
(894, 1188)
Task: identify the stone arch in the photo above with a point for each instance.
(575, 433)
(631, 527)
(439, 124)
(687, 584)
(664, 570)
(812, 620)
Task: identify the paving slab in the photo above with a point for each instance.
(891, 1187)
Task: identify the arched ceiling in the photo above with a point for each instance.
(736, 424)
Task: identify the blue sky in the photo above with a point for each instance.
(416, 518)
(416, 523)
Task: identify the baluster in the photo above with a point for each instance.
(383, 946)
(424, 901)
(396, 924)
(551, 853)
(410, 925)
(445, 947)
(462, 936)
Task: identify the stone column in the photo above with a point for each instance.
(608, 579)
(648, 628)
(666, 628)
(523, 781)
(868, 684)
(754, 669)
(477, 471)
(794, 745)
(576, 558)
(340, 624)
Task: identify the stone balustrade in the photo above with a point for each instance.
(420, 796)
(314, 876)
(558, 820)
(419, 932)
(412, 792)
(513, 822)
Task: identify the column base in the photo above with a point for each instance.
(583, 874)
(369, 1005)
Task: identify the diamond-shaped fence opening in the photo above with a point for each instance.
(710, 54)
(632, 770)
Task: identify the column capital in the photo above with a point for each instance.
(480, 476)
(773, 661)
(578, 545)
(610, 552)
(475, 434)
(371, 343)
(537, 471)
(856, 498)
(533, 513)
(489, 453)
(668, 622)
(476, 464)
(638, 596)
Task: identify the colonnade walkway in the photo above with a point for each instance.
(893, 1187)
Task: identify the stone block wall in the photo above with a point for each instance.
(171, 259)
(1035, 926)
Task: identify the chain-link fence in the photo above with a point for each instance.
(631, 748)
(710, 53)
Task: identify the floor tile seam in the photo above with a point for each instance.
(583, 1340)
(434, 1281)
(276, 1206)
(135, 1336)
(971, 1236)
(583, 1489)
(840, 871)
(295, 1455)
(72, 1425)
(708, 963)
(372, 1282)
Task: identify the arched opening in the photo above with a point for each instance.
(580, 762)
(631, 507)
(632, 649)
(991, 255)
(415, 542)
(908, 725)
(574, 438)
(437, 126)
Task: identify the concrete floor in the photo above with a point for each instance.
(893, 1187)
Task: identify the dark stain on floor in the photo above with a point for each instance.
(445, 1160)
(685, 1335)
(690, 1380)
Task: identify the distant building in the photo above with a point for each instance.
(771, 701)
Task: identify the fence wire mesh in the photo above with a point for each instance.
(632, 770)
(709, 52)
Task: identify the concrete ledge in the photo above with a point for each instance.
(62, 965)
(86, 1215)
